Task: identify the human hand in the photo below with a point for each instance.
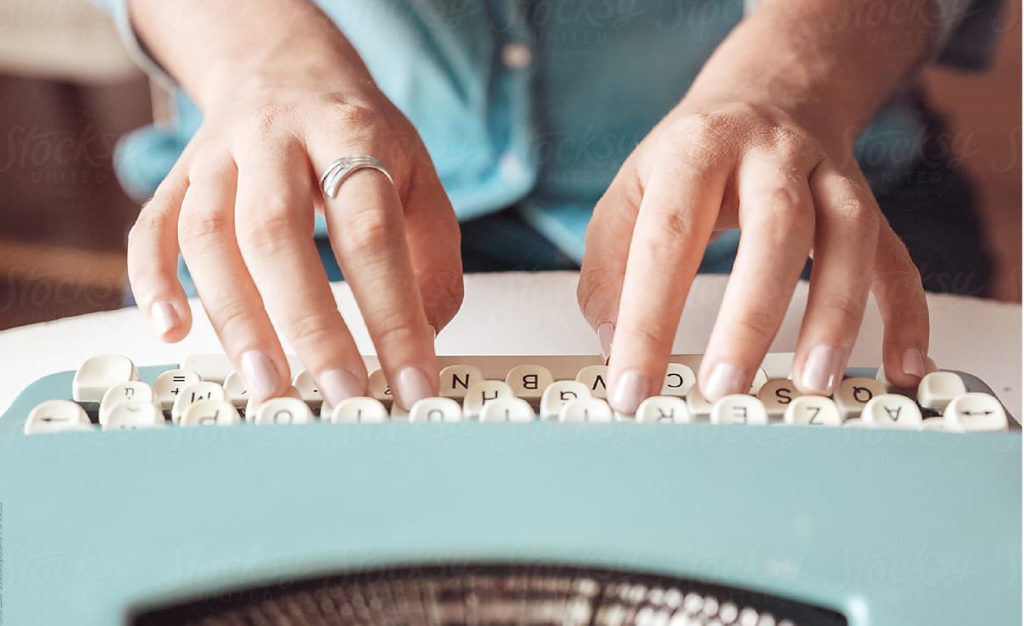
(792, 192)
(240, 205)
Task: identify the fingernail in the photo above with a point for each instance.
(260, 374)
(163, 317)
(725, 379)
(821, 370)
(337, 384)
(604, 336)
(913, 362)
(629, 391)
(412, 386)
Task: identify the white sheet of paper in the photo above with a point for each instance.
(530, 313)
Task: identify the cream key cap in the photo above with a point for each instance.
(775, 395)
(975, 412)
(210, 413)
(854, 394)
(595, 377)
(739, 409)
(130, 414)
(194, 393)
(890, 410)
(812, 411)
(679, 380)
(481, 393)
(939, 424)
(507, 410)
(379, 387)
(234, 387)
(663, 410)
(699, 406)
(98, 374)
(131, 391)
(435, 410)
(252, 407)
(760, 378)
(529, 381)
(358, 410)
(558, 394)
(55, 416)
(308, 389)
(283, 410)
(585, 410)
(938, 389)
(457, 379)
(169, 385)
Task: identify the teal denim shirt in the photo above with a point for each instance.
(536, 103)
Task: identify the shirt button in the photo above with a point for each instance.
(511, 168)
(516, 55)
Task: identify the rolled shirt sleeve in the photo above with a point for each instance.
(966, 31)
(118, 10)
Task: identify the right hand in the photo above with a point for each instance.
(240, 205)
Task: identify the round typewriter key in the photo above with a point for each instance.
(585, 410)
(210, 413)
(133, 414)
(739, 409)
(663, 410)
(359, 410)
(54, 416)
(812, 411)
(975, 411)
(435, 410)
(285, 410)
(507, 410)
(890, 410)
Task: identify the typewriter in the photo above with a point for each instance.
(163, 495)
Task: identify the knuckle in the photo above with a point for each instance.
(672, 225)
(355, 116)
(845, 308)
(265, 119)
(697, 129)
(394, 328)
(851, 213)
(367, 232)
(195, 227)
(230, 319)
(755, 325)
(313, 330)
(267, 230)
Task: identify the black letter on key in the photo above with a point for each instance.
(530, 381)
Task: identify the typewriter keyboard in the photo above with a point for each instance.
(204, 390)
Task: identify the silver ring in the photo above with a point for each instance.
(337, 172)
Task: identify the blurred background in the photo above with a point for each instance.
(68, 92)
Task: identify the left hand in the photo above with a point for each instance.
(721, 165)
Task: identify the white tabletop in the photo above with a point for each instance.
(531, 313)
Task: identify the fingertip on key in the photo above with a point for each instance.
(631, 388)
(725, 379)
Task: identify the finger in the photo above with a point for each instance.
(274, 213)
(674, 223)
(776, 215)
(846, 233)
(206, 233)
(153, 260)
(904, 309)
(366, 225)
(433, 236)
(605, 254)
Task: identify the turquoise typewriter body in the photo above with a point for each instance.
(877, 527)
